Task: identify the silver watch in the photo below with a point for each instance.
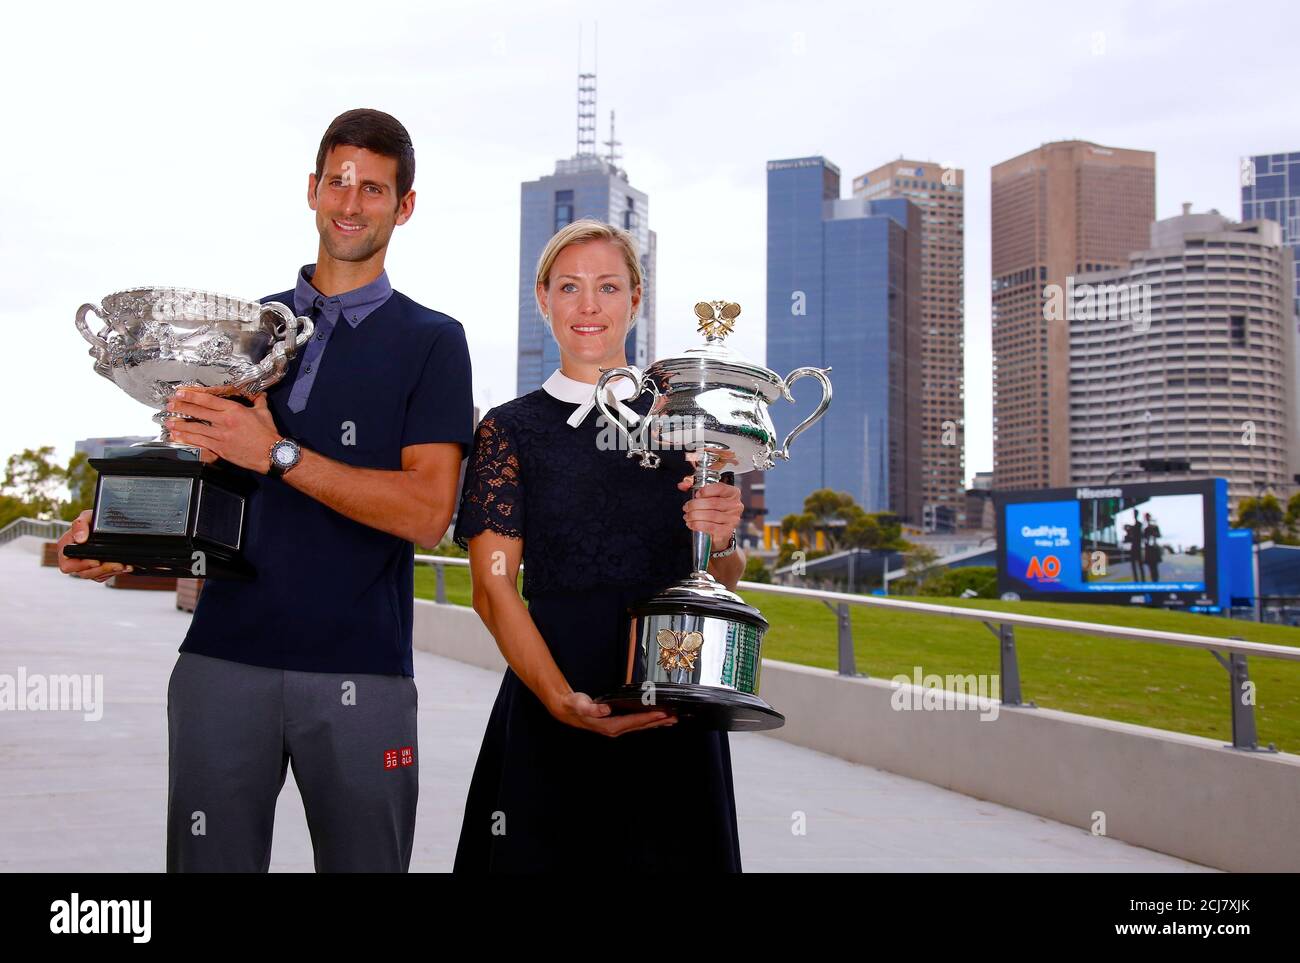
(285, 454)
(731, 547)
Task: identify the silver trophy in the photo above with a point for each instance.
(696, 648)
(157, 506)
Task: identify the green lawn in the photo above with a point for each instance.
(1162, 686)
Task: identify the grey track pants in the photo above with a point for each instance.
(233, 730)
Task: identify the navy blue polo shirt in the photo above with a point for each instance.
(331, 594)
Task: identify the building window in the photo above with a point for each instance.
(563, 209)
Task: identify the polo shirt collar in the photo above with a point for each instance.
(355, 305)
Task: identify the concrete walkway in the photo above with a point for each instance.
(90, 796)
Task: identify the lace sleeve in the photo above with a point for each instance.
(492, 498)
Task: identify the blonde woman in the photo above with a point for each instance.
(560, 783)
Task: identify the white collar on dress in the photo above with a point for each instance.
(583, 394)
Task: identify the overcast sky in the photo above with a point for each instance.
(170, 145)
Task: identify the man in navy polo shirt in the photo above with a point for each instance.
(355, 454)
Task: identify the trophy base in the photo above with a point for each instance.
(154, 561)
(166, 513)
(699, 706)
(695, 650)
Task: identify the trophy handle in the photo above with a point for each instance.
(820, 374)
(635, 447)
(297, 332)
(95, 341)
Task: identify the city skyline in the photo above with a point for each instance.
(697, 139)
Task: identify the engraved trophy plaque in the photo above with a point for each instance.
(158, 507)
(695, 649)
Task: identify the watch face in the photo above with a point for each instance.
(284, 454)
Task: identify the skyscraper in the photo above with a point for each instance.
(938, 191)
(1197, 364)
(584, 185)
(1270, 190)
(1057, 211)
(843, 291)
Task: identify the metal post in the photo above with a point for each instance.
(1244, 734)
(440, 575)
(844, 632)
(844, 619)
(1008, 666)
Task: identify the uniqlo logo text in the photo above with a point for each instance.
(390, 758)
(408, 756)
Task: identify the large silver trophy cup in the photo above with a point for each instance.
(695, 649)
(158, 508)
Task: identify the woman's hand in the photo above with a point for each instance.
(716, 508)
(578, 710)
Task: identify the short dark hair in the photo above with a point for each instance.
(374, 131)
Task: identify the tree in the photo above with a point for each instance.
(878, 530)
(33, 482)
(952, 582)
(1292, 519)
(1264, 515)
(843, 524)
(35, 478)
(81, 480)
(805, 526)
(12, 509)
(755, 570)
(785, 554)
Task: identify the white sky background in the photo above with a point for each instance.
(170, 145)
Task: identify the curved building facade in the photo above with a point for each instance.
(1188, 354)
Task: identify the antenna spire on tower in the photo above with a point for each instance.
(614, 155)
(586, 105)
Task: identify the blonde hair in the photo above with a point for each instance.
(580, 232)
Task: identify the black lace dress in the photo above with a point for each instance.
(599, 533)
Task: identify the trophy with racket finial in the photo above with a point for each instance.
(695, 648)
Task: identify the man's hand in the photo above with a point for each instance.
(241, 435)
(84, 567)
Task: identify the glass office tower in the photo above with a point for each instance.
(844, 291)
(1270, 191)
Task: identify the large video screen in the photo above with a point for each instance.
(1152, 543)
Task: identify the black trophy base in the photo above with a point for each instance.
(161, 561)
(164, 512)
(701, 706)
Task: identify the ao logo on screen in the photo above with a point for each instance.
(1046, 570)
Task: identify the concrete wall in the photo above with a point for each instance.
(456, 632)
(1183, 795)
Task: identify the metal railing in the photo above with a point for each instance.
(1003, 625)
(440, 563)
(50, 529)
